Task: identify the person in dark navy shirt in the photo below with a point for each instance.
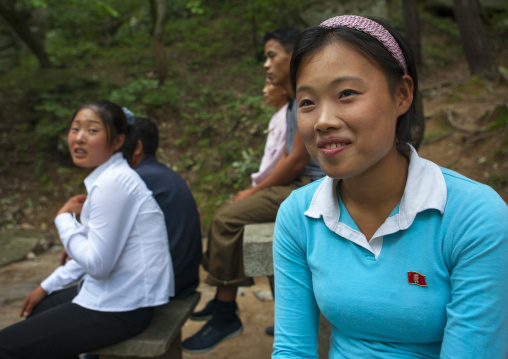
(175, 199)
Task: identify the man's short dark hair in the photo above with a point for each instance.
(146, 131)
(287, 36)
(148, 134)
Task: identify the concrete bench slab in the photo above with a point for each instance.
(257, 249)
(161, 339)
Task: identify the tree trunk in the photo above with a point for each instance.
(254, 28)
(21, 28)
(153, 16)
(160, 58)
(412, 23)
(474, 39)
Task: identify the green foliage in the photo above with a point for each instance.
(50, 97)
(144, 93)
(431, 136)
(54, 120)
(497, 181)
(501, 118)
(195, 7)
(211, 99)
(249, 163)
(442, 41)
(453, 97)
(498, 29)
(443, 128)
(62, 53)
(88, 19)
(501, 152)
(34, 4)
(270, 14)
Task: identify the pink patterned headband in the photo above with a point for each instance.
(373, 29)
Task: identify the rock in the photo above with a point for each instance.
(16, 244)
(27, 227)
(31, 256)
(263, 295)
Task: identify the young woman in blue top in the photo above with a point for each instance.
(404, 258)
(116, 237)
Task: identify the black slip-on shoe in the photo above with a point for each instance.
(209, 336)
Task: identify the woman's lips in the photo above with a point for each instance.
(330, 146)
(79, 152)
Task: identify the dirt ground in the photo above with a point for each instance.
(18, 279)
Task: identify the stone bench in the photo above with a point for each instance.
(257, 249)
(258, 261)
(161, 339)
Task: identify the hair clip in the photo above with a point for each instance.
(129, 116)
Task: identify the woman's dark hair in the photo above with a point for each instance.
(111, 115)
(316, 37)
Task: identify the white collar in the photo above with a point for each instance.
(425, 189)
(92, 177)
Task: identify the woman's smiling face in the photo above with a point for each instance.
(347, 113)
(88, 140)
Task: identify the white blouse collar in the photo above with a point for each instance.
(425, 189)
(92, 177)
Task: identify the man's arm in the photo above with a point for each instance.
(287, 169)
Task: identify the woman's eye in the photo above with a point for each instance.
(74, 129)
(305, 102)
(92, 130)
(347, 93)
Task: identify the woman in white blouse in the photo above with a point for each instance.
(117, 240)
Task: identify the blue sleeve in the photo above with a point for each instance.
(296, 311)
(477, 319)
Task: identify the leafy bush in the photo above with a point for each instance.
(144, 93)
(54, 120)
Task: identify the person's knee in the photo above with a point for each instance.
(224, 218)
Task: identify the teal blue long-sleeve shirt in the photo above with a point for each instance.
(450, 230)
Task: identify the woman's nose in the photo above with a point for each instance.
(80, 136)
(326, 120)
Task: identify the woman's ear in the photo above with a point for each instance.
(118, 142)
(404, 94)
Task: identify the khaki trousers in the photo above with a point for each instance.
(223, 258)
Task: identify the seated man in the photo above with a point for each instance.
(176, 201)
(276, 139)
(223, 259)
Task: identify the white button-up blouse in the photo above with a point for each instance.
(120, 243)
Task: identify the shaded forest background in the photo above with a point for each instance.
(195, 68)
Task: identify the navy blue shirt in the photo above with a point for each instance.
(182, 221)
